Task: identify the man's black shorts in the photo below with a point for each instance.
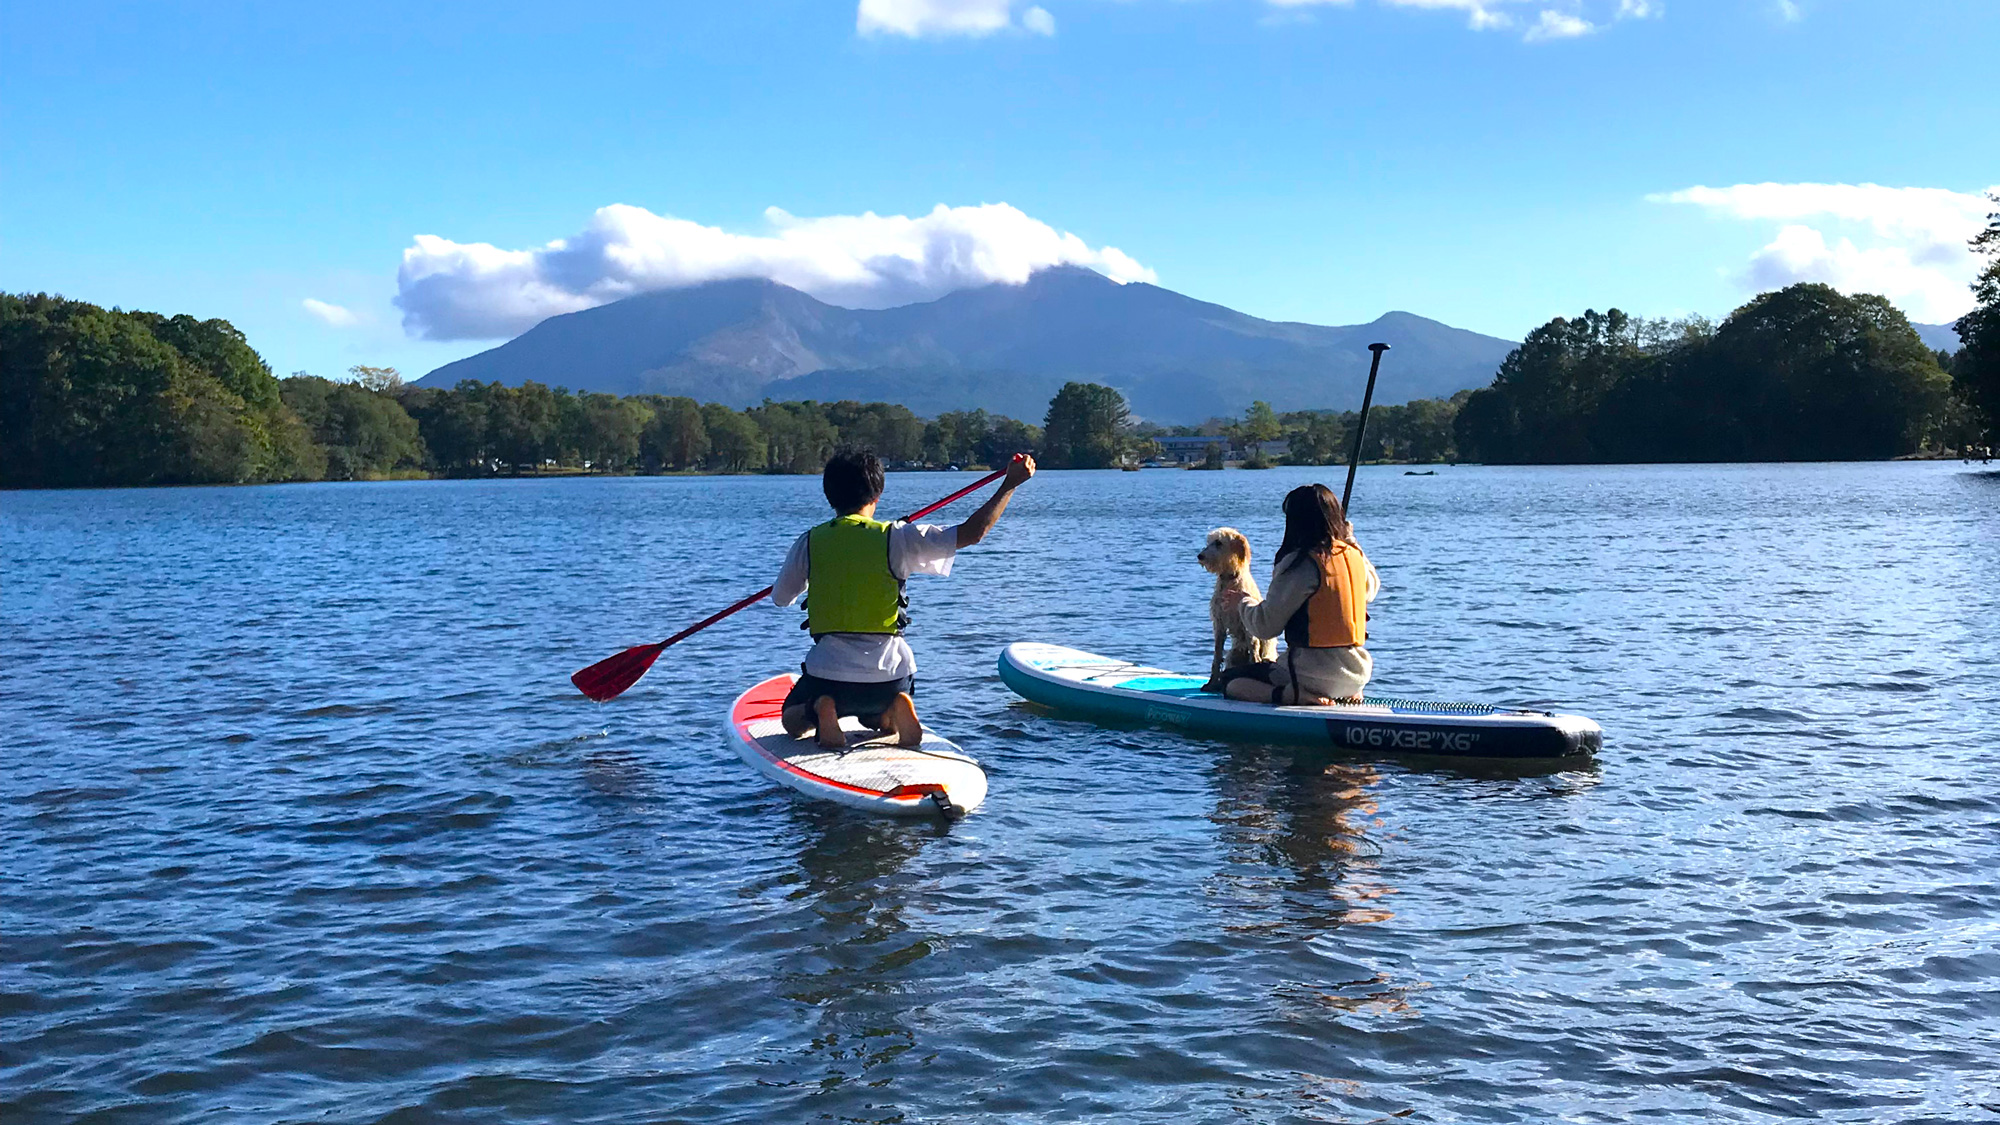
(863, 701)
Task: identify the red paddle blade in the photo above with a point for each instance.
(609, 677)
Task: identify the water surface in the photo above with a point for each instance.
(302, 821)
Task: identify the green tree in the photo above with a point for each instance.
(887, 429)
(736, 444)
(1801, 373)
(1260, 424)
(954, 437)
(1976, 367)
(798, 437)
(360, 433)
(1420, 431)
(1816, 376)
(95, 396)
(605, 430)
(1003, 438)
(383, 380)
(677, 436)
(1085, 427)
(1315, 437)
(452, 424)
(521, 425)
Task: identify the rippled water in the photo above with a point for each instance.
(301, 819)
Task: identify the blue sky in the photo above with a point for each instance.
(1489, 163)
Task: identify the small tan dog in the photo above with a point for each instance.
(1227, 556)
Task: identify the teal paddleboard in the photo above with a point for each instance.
(1088, 685)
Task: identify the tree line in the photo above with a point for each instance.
(94, 396)
(1803, 373)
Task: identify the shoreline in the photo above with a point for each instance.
(573, 474)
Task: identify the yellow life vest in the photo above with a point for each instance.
(850, 588)
(1336, 615)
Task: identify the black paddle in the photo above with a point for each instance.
(1361, 426)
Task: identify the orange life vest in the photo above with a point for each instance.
(1336, 615)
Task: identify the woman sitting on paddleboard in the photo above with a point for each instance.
(1318, 598)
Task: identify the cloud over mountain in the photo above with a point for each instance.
(469, 291)
(1906, 243)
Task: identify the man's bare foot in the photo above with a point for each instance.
(831, 737)
(900, 716)
(798, 719)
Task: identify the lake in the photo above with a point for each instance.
(303, 821)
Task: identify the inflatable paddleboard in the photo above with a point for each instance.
(873, 774)
(1084, 683)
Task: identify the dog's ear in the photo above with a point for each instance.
(1239, 545)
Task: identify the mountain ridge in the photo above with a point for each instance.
(1004, 348)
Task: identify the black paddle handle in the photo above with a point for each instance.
(1361, 426)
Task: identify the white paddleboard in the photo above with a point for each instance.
(873, 774)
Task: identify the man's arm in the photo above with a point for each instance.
(980, 522)
(792, 576)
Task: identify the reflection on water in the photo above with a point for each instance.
(1297, 832)
(851, 970)
(336, 840)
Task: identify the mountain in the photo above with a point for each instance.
(1938, 337)
(1006, 348)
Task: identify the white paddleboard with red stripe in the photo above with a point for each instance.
(872, 774)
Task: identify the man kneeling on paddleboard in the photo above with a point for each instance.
(859, 664)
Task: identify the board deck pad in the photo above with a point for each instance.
(1085, 683)
(873, 773)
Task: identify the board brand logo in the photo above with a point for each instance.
(1165, 715)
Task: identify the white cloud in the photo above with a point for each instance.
(1790, 11)
(918, 19)
(330, 314)
(1558, 25)
(462, 291)
(1905, 243)
(1567, 20)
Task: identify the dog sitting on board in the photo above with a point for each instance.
(1227, 556)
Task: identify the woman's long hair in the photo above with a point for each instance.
(1313, 520)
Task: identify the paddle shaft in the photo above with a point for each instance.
(1361, 426)
(760, 595)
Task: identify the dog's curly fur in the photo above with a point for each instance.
(1227, 556)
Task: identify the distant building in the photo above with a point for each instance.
(1188, 450)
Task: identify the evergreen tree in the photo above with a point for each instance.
(1976, 366)
(1085, 427)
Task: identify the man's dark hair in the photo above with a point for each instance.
(852, 478)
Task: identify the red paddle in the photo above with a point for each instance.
(609, 677)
